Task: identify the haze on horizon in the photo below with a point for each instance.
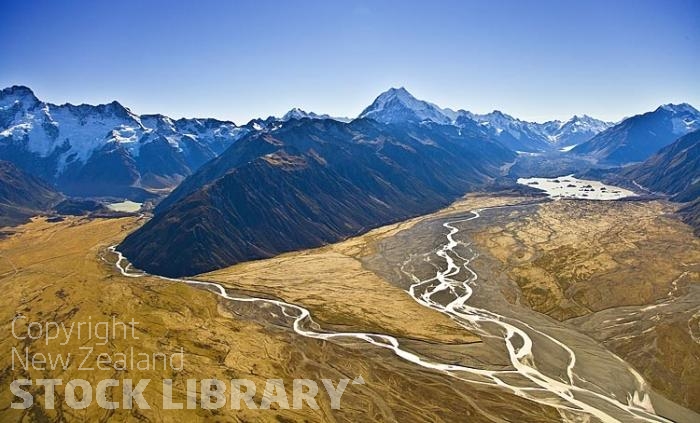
(240, 60)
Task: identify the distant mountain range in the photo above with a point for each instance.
(105, 150)
(635, 139)
(398, 105)
(311, 182)
(297, 113)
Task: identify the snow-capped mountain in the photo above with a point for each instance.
(636, 138)
(105, 149)
(514, 133)
(524, 136)
(685, 118)
(398, 105)
(574, 131)
(297, 113)
(272, 122)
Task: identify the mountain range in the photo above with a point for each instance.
(398, 105)
(307, 183)
(105, 150)
(278, 184)
(635, 139)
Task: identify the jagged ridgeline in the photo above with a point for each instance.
(635, 139)
(105, 150)
(308, 183)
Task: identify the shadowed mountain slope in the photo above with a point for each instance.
(637, 138)
(22, 195)
(674, 170)
(308, 183)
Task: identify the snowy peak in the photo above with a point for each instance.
(496, 119)
(679, 108)
(402, 95)
(63, 144)
(17, 92)
(158, 122)
(514, 133)
(533, 136)
(297, 113)
(684, 117)
(17, 97)
(636, 138)
(586, 122)
(198, 126)
(398, 105)
(575, 131)
(115, 109)
(497, 114)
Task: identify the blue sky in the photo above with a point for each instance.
(236, 60)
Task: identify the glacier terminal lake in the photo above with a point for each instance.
(570, 187)
(125, 206)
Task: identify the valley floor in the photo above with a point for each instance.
(625, 273)
(601, 278)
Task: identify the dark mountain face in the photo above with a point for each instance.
(105, 150)
(108, 171)
(637, 138)
(22, 195)
(674, 170)
(307, 183)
